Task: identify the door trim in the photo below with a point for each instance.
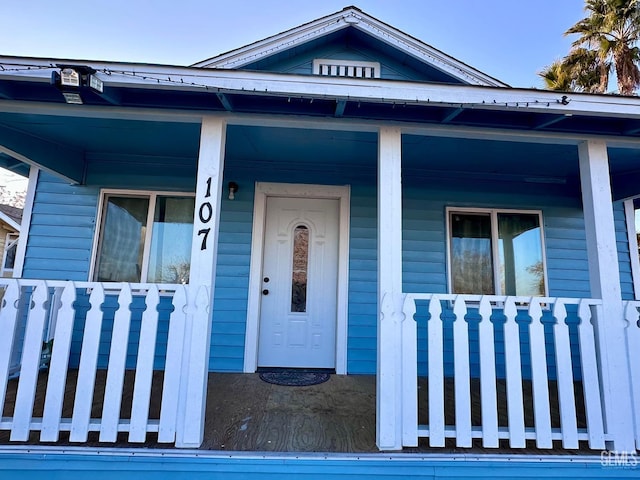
(263, 190)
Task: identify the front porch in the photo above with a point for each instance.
(519, 375)
(246, 414)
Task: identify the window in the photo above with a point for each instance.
(300, 267)
(496, 252)
(632, 213)
(10, 249)
(144, 237)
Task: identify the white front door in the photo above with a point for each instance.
(299, 283)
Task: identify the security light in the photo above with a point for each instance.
(69, 77)
(72, 97)
(96, 84)
(72, 79)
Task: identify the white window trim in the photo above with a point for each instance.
(630, 220)
(10, 239)
(262, 191)
(493, 212)
(318, 62)
(152, 195)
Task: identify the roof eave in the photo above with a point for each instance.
(350, 89)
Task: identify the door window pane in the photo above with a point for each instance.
(520, 267)
(300, 267)
(122, 239)
(471, 254)
(170, 253)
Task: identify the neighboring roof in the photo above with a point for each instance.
(350, 17)
(11, 215)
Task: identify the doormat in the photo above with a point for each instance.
(293, 378)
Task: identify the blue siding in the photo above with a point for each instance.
(107, 466)
(61, 233)
(60, 243)
(352, 44)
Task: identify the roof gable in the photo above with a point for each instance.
(12, 216)
(358, 34)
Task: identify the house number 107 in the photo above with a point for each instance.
(205, 213)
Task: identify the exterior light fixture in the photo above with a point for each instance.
(72, 97)
(72, 79)
(233, 188)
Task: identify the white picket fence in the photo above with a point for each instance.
(32, 311)
(632, 316)
(489, 430)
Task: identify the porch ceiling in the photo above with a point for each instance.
(66, 142)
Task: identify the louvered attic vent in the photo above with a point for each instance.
(346, 68)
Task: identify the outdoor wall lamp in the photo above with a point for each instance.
(71, 78)
(233, 188)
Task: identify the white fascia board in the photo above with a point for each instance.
(271, 45)
(340, 88)
(427, 54)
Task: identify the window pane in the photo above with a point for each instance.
(10, 259)
(170, 254)
(122, 239)
(300, 266)
(471, 257)
(12, 248)
(521, 268)
(636, 211)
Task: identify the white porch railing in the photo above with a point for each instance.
(632, 316)
(540, 349)
(74, 315)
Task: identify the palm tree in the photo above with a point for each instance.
(581, 71)
(558, 77)
(612, 30)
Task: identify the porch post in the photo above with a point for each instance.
(204, 247)
(605, 284)
(390, 301)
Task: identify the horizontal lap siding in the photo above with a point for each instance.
(61, 233)
(61, 237)
(363, 281)
(425, 261)
(232, 282)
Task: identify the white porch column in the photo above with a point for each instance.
(389, 364)
(204, 247)
(605, 284)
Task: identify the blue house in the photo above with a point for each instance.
(340, 197)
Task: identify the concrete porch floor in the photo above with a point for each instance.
(246, 414)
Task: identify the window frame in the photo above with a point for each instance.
(493, 214)
(11, 239)
(152, 195)
(634, 255)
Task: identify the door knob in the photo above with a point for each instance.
(265, 292)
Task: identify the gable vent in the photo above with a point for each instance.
(346, 68)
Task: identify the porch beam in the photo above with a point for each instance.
(605, 284)
(225, 101)
(340, 106)
(55, 158)
(549, 122)
(390, 300)
(452, 115)
(204, 248)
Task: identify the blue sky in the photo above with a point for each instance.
(508, 39)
